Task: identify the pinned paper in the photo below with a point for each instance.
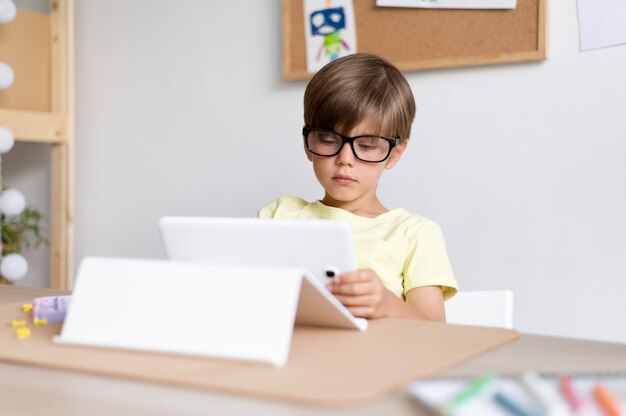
(449, 4)
(601, 23)
(330, 31)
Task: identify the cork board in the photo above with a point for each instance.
(326, 366)
(414, 39)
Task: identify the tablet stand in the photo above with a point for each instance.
(243, 313)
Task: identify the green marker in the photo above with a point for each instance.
(470, 391)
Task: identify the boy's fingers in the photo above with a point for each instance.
(350, 288)
(362, 300)
(353, 277)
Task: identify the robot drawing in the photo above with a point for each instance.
(328, 23)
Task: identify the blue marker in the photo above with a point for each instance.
(510, 406)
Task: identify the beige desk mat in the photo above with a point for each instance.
(325, 367)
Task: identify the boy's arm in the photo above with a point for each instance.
(364, 294)
(424, 303)
(427, 301)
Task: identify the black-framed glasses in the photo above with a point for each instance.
(367, 147)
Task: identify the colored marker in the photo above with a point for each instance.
(550, 401)
(472, 389)
(510, 406)
(607, 402)
(575, 402)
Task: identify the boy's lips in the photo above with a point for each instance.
(344, 179)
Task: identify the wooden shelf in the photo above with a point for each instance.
(39, 108)
(35, 126)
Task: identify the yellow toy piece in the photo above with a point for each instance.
(22, 332)
(38, 321)
(18, 324)
(27, 307)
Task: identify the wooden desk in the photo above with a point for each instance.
(28, 390)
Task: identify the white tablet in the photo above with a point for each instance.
(322, 246)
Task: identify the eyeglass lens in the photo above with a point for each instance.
(366, 148)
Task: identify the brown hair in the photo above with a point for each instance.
(357, 88)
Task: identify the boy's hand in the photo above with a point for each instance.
(362, 293)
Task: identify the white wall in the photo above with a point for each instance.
(522, 165)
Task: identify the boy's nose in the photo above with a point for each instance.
(345, 156)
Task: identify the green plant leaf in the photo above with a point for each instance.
(22, 231)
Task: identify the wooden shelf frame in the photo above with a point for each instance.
(35, 126)
(56, 128)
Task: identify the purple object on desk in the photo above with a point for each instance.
(52, 308)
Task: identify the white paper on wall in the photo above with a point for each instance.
(602, 23)
(449, 4)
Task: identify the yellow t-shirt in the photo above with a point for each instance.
(405, 250)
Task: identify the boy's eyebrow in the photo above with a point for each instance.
(350, 137)
(377, 130)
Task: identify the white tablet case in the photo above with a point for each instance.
(233, 312)
(315, 244)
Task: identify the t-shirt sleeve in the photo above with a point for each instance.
(286, 206)
(427, 262)
(269, 210)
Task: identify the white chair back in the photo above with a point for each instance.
(481, 308)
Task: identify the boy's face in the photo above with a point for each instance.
(349, 182)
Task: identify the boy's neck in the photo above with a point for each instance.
(369, 209)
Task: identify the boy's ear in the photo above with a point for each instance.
(396, 154)
(308, 154)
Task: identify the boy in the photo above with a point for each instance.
(358, 112)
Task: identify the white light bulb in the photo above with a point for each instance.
(12, 202)
(14, 267)
(6, 76)
(7, 11)
(6, 140)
